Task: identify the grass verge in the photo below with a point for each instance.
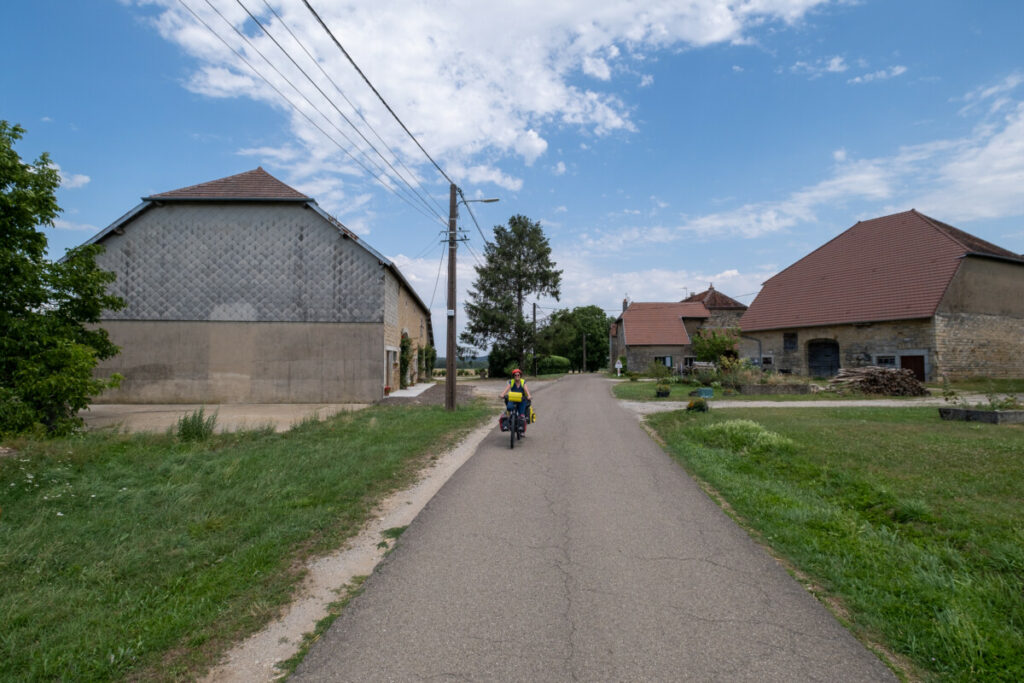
(146, 556)
(914, 525)
(644, 391)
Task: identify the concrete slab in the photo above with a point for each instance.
(231, 417)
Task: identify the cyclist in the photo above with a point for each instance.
(518, 384)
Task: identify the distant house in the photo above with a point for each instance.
(903, 291)
(662, 332)
(244, 290)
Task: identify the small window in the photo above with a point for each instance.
(885, 361)
(663, 360)
(767, 361)
(789, 341)
(688, 361)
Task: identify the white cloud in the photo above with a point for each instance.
(489, 94)
(820, 66)
(71, 181)
(62, 224)
(998, 94)
(738, 69)
(559, 168)
(561, 209)
(646, 80)
(839, 155)
(883, 74)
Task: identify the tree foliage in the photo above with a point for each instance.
(517, 265)
(710, 344)
(563, 336)
(48, 348)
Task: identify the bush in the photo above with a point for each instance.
(553, 364)
(697, 405)
(196, 427)
(658, 370)
(743, 436)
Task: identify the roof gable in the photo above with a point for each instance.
(254, 185)
(659, 324)
(890, 268)
(714, 300)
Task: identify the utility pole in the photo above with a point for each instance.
(534, 339)
(584, 352)
(449, 383)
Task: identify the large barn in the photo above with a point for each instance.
(244, 290)
(904, 291)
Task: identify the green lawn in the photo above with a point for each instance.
(914, 525)
(144, 557)
(644, 391)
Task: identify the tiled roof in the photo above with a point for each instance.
(661, 324)
(256, 184)
(715, 300)
(890, 268)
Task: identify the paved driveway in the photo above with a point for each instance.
(584, 554)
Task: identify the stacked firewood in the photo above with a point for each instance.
(876, 380)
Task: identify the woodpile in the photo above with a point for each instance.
(876, 380)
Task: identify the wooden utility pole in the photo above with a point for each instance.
(534, 345)
(584, 352)
(449, 383)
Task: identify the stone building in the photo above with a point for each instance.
(244, 290)
(902, 291)
(662, 332)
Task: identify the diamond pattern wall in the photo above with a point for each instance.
(241, 262)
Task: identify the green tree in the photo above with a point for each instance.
(517, 265)
(710, 344)
(48, 347)
(564, 332)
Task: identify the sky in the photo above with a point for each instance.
(662, 146)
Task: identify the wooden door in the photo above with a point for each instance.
(915, 363)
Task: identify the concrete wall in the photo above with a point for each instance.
(859, 345)
(639, 357)
(232, 362)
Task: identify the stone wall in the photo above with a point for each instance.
(412, 320)
(859, 345)
(232, 362)
(979, 345)
(639, 357)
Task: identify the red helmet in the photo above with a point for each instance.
(517, 371)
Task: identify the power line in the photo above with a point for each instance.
(351, 104)
(330, 101)
(379, 96)
(438, 278)
(471, 215)
(287, 99)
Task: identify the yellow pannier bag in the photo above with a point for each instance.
(533, 415)
(515, 396)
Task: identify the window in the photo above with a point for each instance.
(789, 341)
(663, 360)
(885, 361)
(688, 361)
(767, 361)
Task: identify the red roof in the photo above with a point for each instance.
(660, 324)
(891, 268)
(715, 300)
(256, 184)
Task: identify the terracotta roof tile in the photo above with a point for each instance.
(661, 324)
(714, 300)
(256, 184)
(890, 268)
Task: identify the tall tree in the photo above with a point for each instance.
(48, 348)
(563, 335)
(517, 265)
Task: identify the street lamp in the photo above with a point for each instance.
(449, 383)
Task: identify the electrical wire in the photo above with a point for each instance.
(459, 190)
(438, 278)
(375, 92)
(288, 100)
(351, 104)
(266, 31)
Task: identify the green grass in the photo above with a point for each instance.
(915, 526)
(145, 556)
(984, 385)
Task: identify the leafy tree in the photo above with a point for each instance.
(563, 336)
(48, 348)
(710, 344)
(518, 264)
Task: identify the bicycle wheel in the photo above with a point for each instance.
(513, 425)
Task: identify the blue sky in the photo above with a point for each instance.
(663, 146)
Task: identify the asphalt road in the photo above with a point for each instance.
(583, 554)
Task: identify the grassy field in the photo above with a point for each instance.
(911, 527)
(145, 556)
(644, 391)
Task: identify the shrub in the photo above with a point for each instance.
(697, 405)
(743, 436)
(658, 370)
(553, 364)
(196, 427)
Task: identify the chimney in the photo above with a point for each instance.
(625, 304)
